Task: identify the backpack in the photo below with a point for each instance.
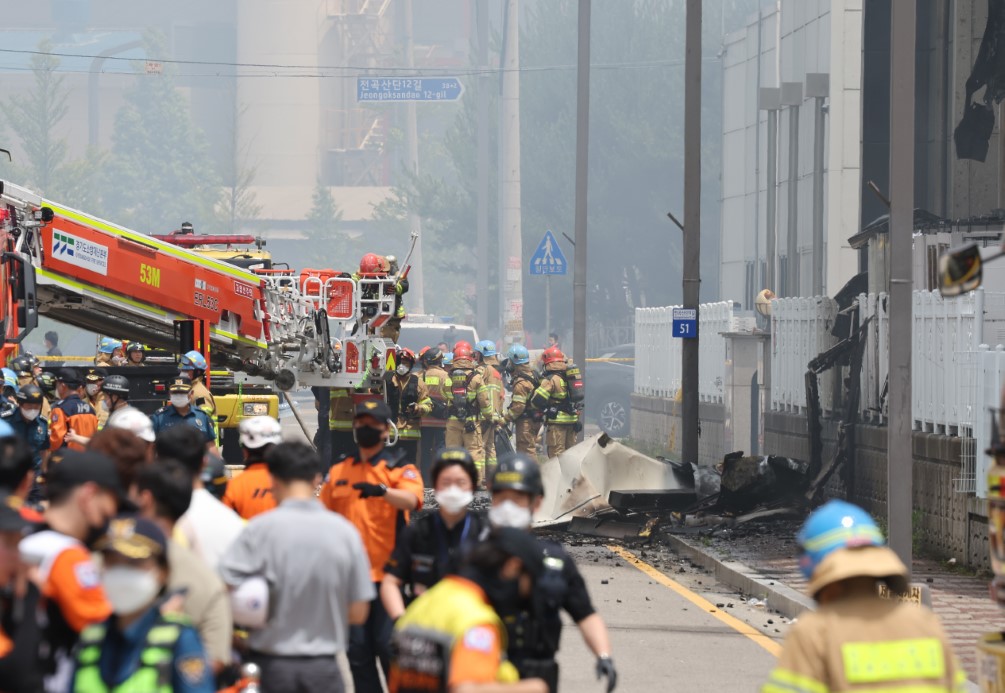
(575, 388)
(460, 379)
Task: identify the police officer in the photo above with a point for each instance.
(535, 627)
(470, 405)
(116, 391)
(433, 426)
(30, 427)
(24, 367)
(181, 411)
(93, 380)
(135, 354)
(451, 638)
(434, 543)
(552, 397)
(193, 367)
(409, 401)
(487, 359)
(856, 640)
(524, 382)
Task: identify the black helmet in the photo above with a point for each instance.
(431, 356)
(29, 394)
(134, 346)
(21, 365)
(117, 384)
(518, 472)
(447, 457)
(32, 359)
(47, 381)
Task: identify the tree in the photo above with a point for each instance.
(238, 202)
(33, 118)
(159, 172)
(330, 245)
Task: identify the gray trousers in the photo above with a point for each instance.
(299, 674)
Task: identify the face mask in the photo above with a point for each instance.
(402, 370)
(129, 589)
(30, 414)
(179, 401)
(186, 375)
(367, 436)
(454, 499)
(119, 360)
(509, 514)
(92, 389)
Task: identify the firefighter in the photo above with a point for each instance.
(340, 414)
(392, 328)
(526, 419)
(373, 266)
(375, 488)
(70, 413)
(9, 389)
(409, 401)
(24, 367)
(182, 410)
(250, 493)
(110, 353)
(552, 397)
(535, 624)
(451, 638)
(193, 367)
(93, 380)
(470, 404)
(135, 354)
(487, 358)
(857, 640)
(437, 382)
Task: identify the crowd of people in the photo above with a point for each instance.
(126, 565)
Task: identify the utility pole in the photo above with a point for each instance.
(416, 303)
(792, 96)
(817, 88)
(510, 250)
(692, 227)
(900, 458)
(582, 186)
(770, 101)
(480, 13)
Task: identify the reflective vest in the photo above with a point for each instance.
(438, 385)
(424, 637)
(340, 410)
(552, 397)
(154, 674)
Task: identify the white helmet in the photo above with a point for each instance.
(136, 422)
(258, 431)
(249, 602)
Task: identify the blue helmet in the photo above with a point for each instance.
(10, 379)
(518, 354)
(486, 348)
(835, 525)
(192, 361)
(109, 345)
(448, 358)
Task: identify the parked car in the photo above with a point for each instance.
(610, 380)
(416, 335)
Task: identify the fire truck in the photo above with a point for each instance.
(274, 325)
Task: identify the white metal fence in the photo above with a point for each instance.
(800, 331)
(658, 353)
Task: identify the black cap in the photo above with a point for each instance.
(180, 385)
(377, 408)
(133, 537)
(11, 519)
(78, 467)
(68, 376)
(95, 374)
(518, 472)
(30, 394)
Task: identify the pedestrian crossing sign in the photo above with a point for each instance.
(548, 258)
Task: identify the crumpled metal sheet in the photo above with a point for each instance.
(578, 482)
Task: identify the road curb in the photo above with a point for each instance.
(781, 598)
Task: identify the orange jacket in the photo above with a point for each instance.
(250, 492)
(71, 413)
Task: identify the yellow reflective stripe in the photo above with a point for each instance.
(786, 681)
(162, 246)
(960, 680)
(841, 535)
(432, 380)
(907, 688)
(898, 660)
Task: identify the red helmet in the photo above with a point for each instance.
(372, 264)
(463, 350)
(552, 355)
(406, 354)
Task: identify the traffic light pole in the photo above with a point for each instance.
(692, 226)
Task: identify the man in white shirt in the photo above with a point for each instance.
(208, 527)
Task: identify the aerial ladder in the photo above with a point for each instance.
(290, 328)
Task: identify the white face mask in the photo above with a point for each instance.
(92, 389)
(402, 370)
(180, 401)
(509, 514)
(30, 414)
(129, 589)
(454, 499)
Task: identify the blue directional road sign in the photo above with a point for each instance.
(685, 323)
(548, 258)
(408, 89)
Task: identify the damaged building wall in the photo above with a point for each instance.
(947, 523)
(656, 427)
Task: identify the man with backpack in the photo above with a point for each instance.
(525, 419)
(558, 395)
(471, 403)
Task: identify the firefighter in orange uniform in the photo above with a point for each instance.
(70, 413)
(375, 489)
(250, 492)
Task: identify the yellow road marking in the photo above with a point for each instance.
(736, 624)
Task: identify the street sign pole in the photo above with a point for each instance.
(692, 226)
(547, 304)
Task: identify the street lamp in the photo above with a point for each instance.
(818, 88)
(770, 100)
(792, 96)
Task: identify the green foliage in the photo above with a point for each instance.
(330, 245)
(238, 202)
(159, 172)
